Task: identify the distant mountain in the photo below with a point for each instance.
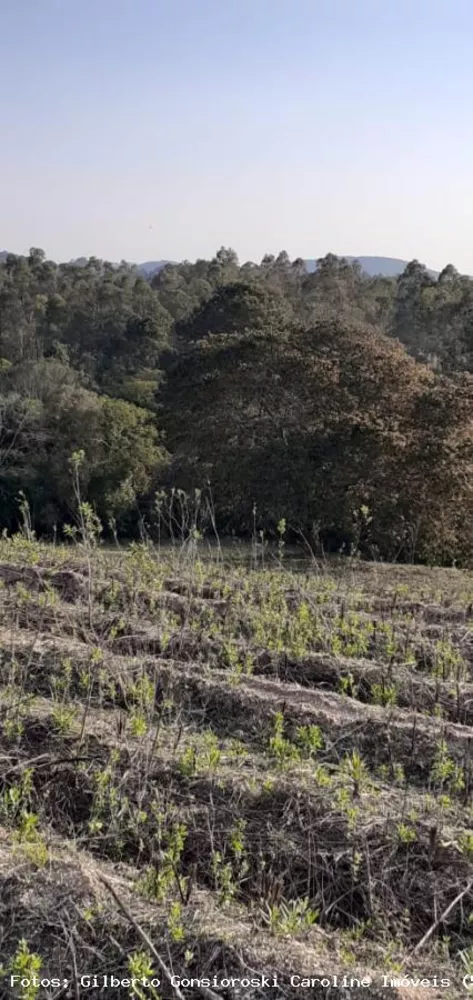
(151, 267)
(147, 269)
(78, 261)
(387, 267)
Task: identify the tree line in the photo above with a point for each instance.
(337, 403)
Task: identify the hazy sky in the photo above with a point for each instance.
(150, 129)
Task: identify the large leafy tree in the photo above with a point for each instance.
(45, 416)
(309, 423)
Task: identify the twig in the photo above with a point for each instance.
(442, 917)
(72, 949)
(209, 994)
(44, 760)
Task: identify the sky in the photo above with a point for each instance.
(164, 129)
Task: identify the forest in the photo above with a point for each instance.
(335, 404)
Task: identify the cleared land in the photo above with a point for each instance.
(268, 773)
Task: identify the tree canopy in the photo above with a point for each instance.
(303, 396)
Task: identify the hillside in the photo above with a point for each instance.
(235, 734)
(239, 771)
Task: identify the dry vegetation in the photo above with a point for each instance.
(270, 770)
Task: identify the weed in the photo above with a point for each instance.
(159, 879)
(140, 967)
(347, 685)
(290, 918)
(446, 775)
(405, 833)
(384, 694)
(353, 768)
(25, 966)
(202, 756)
(225, 885)
(174, 922)
(15, 800)
(281, 748)
(63, 717)
(310, 739)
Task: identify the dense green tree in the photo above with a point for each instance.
(234, 308)
(105, 320)
(410, 322)
(288, 390)
(45, 416)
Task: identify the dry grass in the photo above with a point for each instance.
(271, 769)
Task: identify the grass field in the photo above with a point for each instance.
(210, 770)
